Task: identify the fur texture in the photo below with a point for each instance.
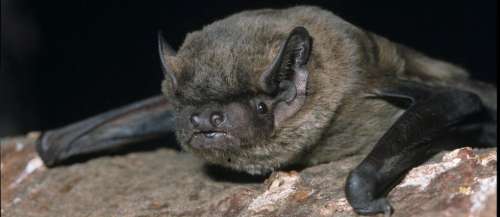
(224, 61)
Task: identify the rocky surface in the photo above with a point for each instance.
(166, 182)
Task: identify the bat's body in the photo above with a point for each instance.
(265, 89)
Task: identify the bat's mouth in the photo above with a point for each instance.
(212, 139)
(211, 134)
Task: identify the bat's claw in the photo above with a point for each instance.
(44, 151)
(388, 210)
(380, 205)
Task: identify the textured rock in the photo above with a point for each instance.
(166, 182)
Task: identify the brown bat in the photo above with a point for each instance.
(265, 89)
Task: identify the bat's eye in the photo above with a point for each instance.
(261, 108)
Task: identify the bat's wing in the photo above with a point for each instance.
(144, 120)
(437, 119)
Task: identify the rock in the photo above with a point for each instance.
(463, 183)
(166, 182)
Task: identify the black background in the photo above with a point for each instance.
(86, 57)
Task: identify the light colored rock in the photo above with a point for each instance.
(166, 182)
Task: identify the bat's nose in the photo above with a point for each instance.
(207, 120)
(216, 119)
(195, 120)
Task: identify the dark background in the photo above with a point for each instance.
(66, 60)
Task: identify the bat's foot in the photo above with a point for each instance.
(363, 192)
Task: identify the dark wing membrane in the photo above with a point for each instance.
(140, 121)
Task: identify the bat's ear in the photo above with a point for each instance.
(286, 77)
(167, 56)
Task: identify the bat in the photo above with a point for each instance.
(266, 89)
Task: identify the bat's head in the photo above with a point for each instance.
(233, 91)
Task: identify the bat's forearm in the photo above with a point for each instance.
(147, 119)
(414, 138)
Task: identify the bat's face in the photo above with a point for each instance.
(223, 126)
(227, 109)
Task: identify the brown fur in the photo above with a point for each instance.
(224, 60)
